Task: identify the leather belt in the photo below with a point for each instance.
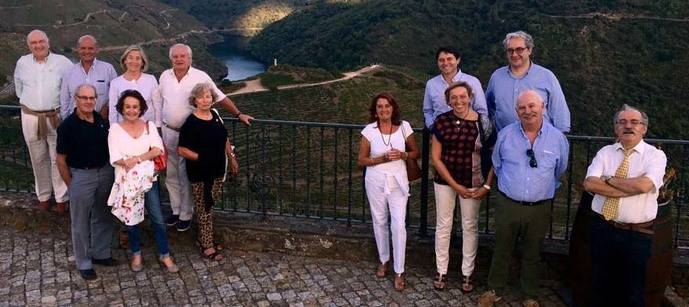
(170, 127)
(645, 227)
(525, 203)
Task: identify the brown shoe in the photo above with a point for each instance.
(440, 281)
(530, 303)
(399, 282)
(488, 299)
(382, 270)
(44, 205)
(62, 208)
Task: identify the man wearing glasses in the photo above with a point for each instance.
(83, 161)
(529, 157)
(625, 178)
(522, 74)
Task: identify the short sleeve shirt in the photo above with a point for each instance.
(206, 138)
(85, 144)
(461, 151)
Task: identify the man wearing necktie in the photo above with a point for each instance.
(625, 178)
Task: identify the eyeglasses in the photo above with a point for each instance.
(91, 98)
(633, 122)
(518, 50)
(532, 158)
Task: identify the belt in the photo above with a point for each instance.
(645, 227)
(170, 127)
(525, 203)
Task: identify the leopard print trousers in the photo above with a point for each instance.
(204, 218)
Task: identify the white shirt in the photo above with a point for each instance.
(121, 145)
(393, 173)
(38, 84)
(146, 85)
(172, 96)
(645, 160)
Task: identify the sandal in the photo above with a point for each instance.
(137, 263)
(440, 281)
(467, 285)
(399, 282)
(382, 270)
(215, 255)
(218, 246)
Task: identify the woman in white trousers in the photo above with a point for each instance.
(461, 138)
(385, 145)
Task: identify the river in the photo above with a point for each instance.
(240, 65)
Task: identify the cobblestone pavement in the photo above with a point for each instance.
(37, 268)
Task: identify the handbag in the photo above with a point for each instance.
(159, 162)
(413, 170)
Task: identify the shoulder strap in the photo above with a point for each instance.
(147, 124)
(217, 114)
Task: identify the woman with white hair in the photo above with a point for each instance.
(134, 63)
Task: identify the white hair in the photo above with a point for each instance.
(527, 92)
(528, 40)
(39, 32)
(180, 45)
(85, 37)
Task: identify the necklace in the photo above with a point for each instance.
(461, 119)
(383, 138)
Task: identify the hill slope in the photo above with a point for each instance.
(604, 56)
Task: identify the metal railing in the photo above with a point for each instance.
(308, 170)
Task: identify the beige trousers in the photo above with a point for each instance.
(445, 207)
(42, 153)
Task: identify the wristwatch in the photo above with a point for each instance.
(606, 179)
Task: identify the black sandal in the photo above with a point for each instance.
(440, 281)
(467, 285)
(216, 255)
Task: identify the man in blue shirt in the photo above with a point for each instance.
(522, 74)
(529, 157)
(434, 102)
(88, 70)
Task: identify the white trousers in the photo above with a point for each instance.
(445, 206)
(176, 181)
(395, 204)
(42, 154)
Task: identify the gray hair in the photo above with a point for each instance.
(39, 32)
(129, 49)
(85, 37)
(180, 45)
(525, 92)
(528, 40)
(626, 107)
(199, 89)
(83, 85)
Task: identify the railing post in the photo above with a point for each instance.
(425, 153)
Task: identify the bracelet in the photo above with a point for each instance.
(487, 187)
(238, 114)
(138, 158)
(406, 155)
(233, 155)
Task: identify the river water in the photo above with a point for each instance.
(240, 65)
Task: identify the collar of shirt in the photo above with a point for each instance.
(47, 57)
(92, 68)
(509, 71)
(639, 148)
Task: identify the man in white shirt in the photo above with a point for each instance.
(625, 178)
(171, 101)
(37, 79)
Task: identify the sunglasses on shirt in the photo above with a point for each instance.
(532, 158)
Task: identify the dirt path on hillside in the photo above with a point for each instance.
(253, 86)
(616, 17)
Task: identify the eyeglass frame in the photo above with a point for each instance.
(518, 50)
(633, 122)
(89, 98)
(532, 158)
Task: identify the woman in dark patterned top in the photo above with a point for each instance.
(460, 154)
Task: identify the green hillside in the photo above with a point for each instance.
(604, 54)
(115, 23)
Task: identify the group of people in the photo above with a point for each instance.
(81, 120)
(513, 133)
(98, 141)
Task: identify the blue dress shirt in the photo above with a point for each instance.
(38, 84)
(516, 178)
(434, 102)
(504, 89)
(100, 75)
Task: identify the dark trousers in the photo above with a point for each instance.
(512, 221)
(618, 263)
